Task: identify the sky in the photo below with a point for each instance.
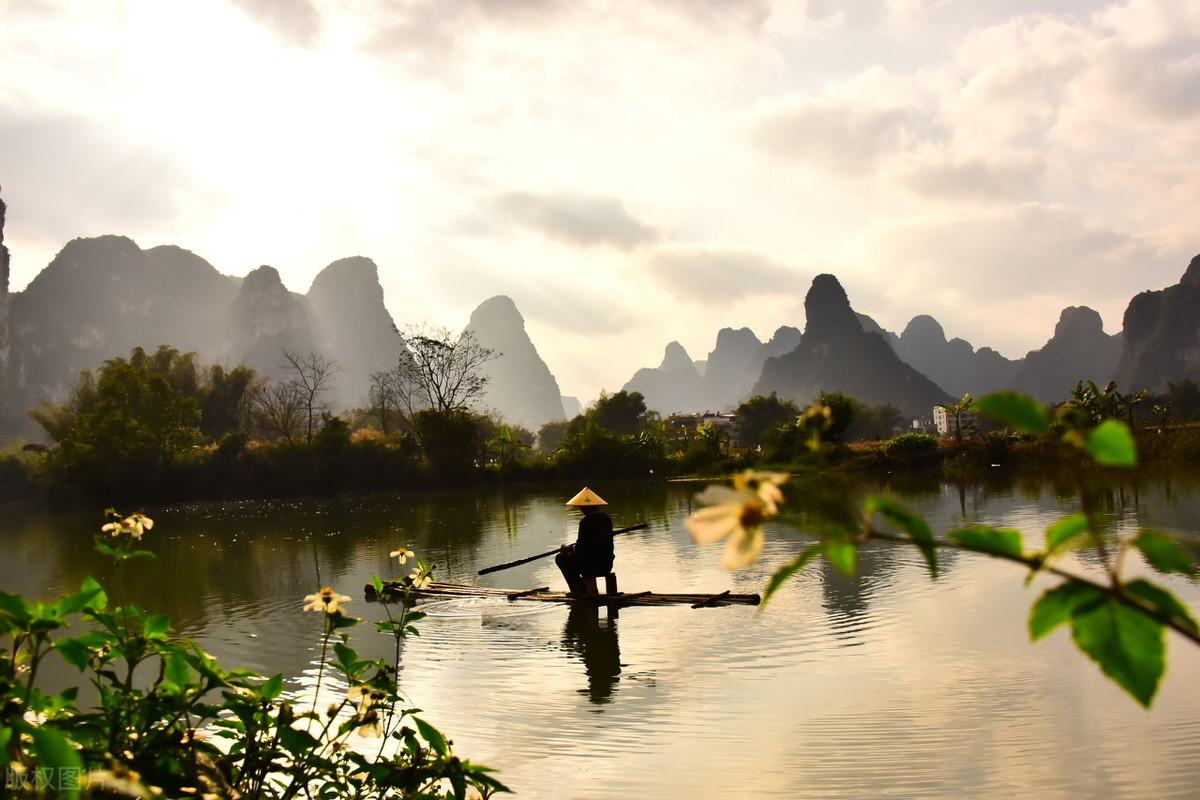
(629, 173)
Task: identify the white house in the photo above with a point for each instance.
(944, 421)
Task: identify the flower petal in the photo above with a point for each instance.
(743, 549)
(717, 494)
(714, 523)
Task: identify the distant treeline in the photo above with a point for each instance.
(161, 425)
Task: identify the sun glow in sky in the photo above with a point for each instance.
(628, 173)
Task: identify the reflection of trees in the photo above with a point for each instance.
(594, 639)
(844, 597)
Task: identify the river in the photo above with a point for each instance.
(888, 685)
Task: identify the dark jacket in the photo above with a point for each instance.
(594, 546)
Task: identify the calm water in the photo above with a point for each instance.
(888, 685)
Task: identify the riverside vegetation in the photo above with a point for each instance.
(163, 426)
(169, 721)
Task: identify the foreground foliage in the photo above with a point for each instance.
(169, 721)
(1118, 623)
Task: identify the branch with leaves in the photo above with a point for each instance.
(1120, 624)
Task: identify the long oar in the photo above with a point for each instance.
(519, 562)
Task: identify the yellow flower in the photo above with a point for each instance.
(403, 554)
(326, 600)
(360, 697)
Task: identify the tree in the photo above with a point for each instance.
(551, 435)
(311, 374)
(508, 442)
(383, 397)
(227, 401)
(279, 410)
(440, 372)
(623, 412)
(124, 425)
(753, 418)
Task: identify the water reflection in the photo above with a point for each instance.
(591, 634)
(842, 687)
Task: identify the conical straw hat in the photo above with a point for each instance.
(586, 497)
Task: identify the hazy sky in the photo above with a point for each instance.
(629, 173)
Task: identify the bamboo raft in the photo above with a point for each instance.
(436, 589)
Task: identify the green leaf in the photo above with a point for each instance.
(1162, 600)
(785, 572)
(6, 735)
(297, 741)
(156, 627)
(1112, 445)
(100, 600)
(1057, 605)
(431, 735)
(1163, 554)
(377, 584)
(74, 652)
(1017, 411)
(16, 607)
(842, 554)
(909, 522)
(78, 601)
(347, 658)
(55, 753)
(1127, 644)
(177, 671)
(1065, 530)
(272, 688)
(1000, 541)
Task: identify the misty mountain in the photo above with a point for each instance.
(571, 407)
(953, 364)
(264, 319)
(520, 386)
(673, 386)
(1161, 333)
(1078, 350)
(730, 371)
(101, 297)
(353, 324)
(836, 353)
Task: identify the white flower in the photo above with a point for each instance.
(765, 485)
(135, 525)
(326, 600)
(402, 555)
(738, 514)
(419, 578)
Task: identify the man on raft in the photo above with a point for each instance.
(592, 553)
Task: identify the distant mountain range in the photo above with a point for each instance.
(1160, 343)
(100, 297)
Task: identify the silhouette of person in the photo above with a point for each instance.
(594, 640)
(592, 553)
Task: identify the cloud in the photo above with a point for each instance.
(942, 176)
(837, 134)
(581, 220)
(719, 275)
(296, 21)
(66, 176)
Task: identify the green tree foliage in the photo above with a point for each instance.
(551, 435)
(907, 446)
(623, 412)
(128, 422)
(758, 415)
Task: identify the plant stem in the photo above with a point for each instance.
(1036, 563)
